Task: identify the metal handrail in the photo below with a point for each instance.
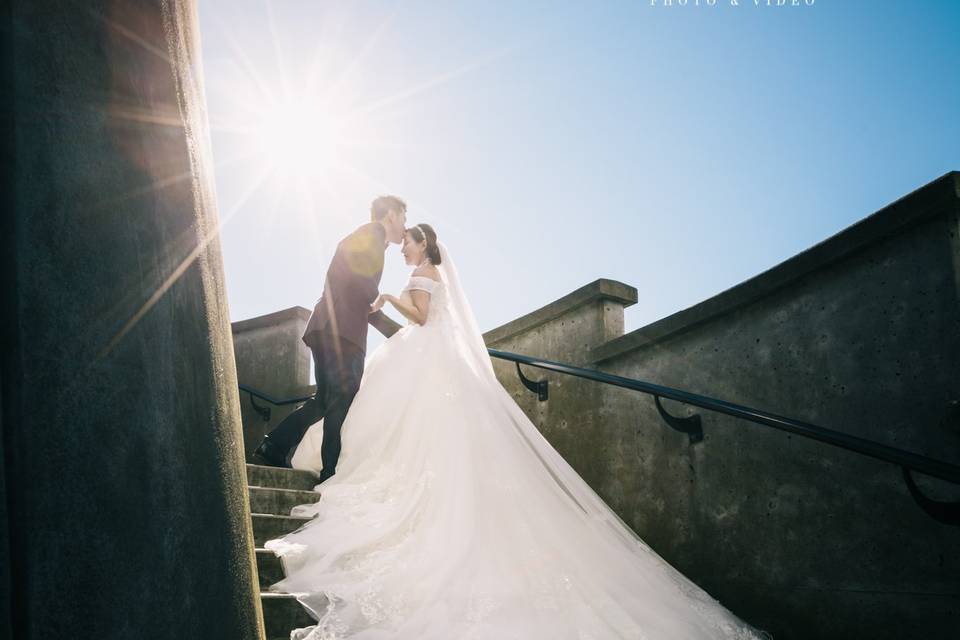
(264, 412)
(945, 512)
(899, 457)
(265, 396)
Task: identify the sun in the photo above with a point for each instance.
(298, 137)
(308, 134)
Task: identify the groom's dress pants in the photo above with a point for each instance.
(338, 368)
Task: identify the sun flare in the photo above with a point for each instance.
(306, 132)
(298, 138)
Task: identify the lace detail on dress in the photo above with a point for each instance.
(369, 566)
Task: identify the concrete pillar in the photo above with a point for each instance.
(124, 511)
(6, 593)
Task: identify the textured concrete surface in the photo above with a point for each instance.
(122, 467)
(282, 613)
(566, 330)
(861, 333)
(610, 318)
(8, 319)
(6, 586)
(269, 569)
(279, 501)
(271, 357)
(261, 476)
(267, 527)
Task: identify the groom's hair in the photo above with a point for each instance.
(380, 207)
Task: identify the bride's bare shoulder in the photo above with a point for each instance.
(427, 271)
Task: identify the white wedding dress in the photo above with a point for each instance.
(451, 518)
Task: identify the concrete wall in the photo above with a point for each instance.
(125, 511)
(566, 330)
(8, 135)
(861, 333)
(271, 357)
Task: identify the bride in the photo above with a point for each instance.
(450, 516)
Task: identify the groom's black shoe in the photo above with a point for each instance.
(270, 455)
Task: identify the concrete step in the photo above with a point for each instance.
(269, 568)
(282, 614)
(278, 478)
(279, 501)
(268, 526)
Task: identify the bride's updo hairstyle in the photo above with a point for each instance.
(421, 232)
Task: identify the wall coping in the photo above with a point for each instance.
(602, 289)
(270, 319)
(936, 197)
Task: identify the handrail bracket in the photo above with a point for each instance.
(263, 411)
(690, 425)
(944, 512)
(539, 387)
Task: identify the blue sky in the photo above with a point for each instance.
(681, 150)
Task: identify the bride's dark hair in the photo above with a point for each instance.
(421, 232)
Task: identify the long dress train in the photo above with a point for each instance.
(450, 516)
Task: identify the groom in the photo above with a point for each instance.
(337, 335)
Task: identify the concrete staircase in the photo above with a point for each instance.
(273, 492)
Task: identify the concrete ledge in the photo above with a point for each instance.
(937, 197)
(267, 527)
(280, 478)
(602, 289)
(269, 568)
(271, 319)
(279, 502)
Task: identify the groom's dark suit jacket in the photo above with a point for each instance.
(351, 285)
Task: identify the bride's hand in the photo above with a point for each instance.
(379, 302)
